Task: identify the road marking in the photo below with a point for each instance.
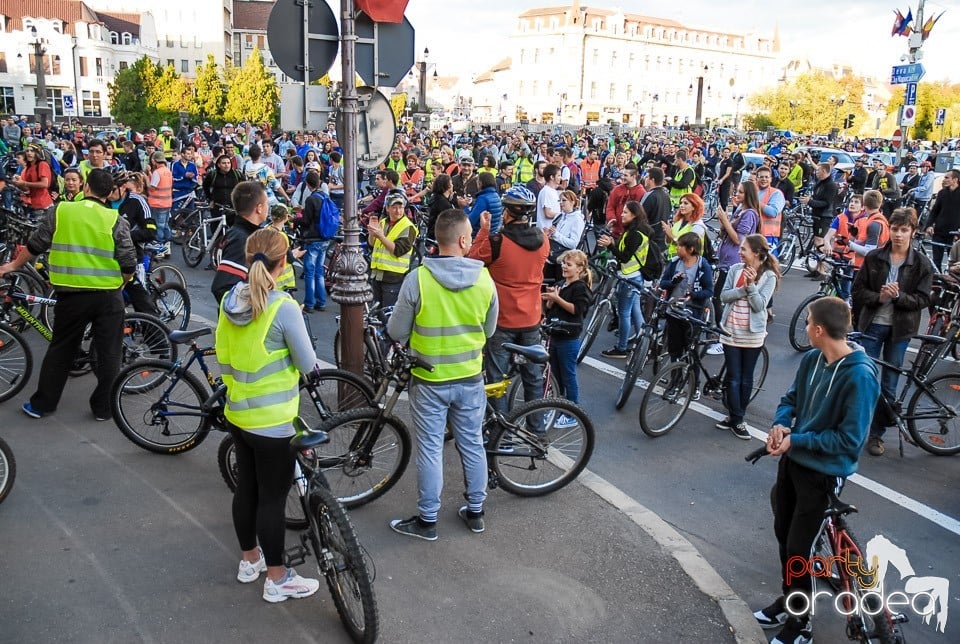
(930, 514)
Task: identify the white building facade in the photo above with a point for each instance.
(250, 18)
(580, 64)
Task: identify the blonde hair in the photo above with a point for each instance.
(265, 249)
(579, 258)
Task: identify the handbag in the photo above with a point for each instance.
(556, 248)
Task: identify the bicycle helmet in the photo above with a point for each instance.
(520, 201)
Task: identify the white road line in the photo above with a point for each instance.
(934, 516)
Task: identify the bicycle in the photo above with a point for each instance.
(8, 469)
(376, 362)
(604, 301)
(203, 242)
(551, 386)
(529, 452)
(670, 394)
(945, 312)
(171, 301)
(16, 362)
(649, 342)
(837, 558)
(841, 273)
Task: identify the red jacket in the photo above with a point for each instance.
(615, 202)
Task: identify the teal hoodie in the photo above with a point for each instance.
(828, 409)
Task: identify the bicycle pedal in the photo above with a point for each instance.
(295, 556)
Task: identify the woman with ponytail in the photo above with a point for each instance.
(262, 347)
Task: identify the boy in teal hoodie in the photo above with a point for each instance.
(819, 430)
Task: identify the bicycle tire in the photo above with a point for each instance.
(340, 559)
(167, 274)
(227, 462)
(515, 393)
(145, 337)
(553, 459)
(877, 628)
(24, 283)
(185, 227)
(370, 367)
(193, 249)
(763, 364)
(216, 249)
(332, 391)
(933, 434)
(8, 469)
(936, 325)
(173, 302)
(592, 328)
(135, 394)
(16, 362)
(358, 473)
(638, 360)
(656, 424)
(787, 254)
(799, 339)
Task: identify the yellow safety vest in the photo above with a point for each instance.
(679, 228)
(383, 260)
(83, 252)
(522, 171)
(287, 281)
(676, 193)
(638, 259)
(448, 328)
(262, 386)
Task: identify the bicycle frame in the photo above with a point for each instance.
(28, 317)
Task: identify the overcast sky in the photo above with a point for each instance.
(468, 36)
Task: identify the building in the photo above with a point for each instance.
(250, 19)
(81, 49)
(583, 64)
(187, 30)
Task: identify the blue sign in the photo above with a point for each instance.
(67, 102)
(911, 98)
(941, 116)
(903, 74)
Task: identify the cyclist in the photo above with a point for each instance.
(688, 219)
(135, 209)
(819, 429)
(262, 346)
(250, 201)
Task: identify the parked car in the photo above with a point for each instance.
(845, 160)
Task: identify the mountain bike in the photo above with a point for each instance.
(604, 301)
(841, 273)
(551, 386)
(8, 469)
(945, 312)
(648, 344)
(205, 241)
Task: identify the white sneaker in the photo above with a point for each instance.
(715, 349)
(250, 572)
(565, 422)
(292, 585)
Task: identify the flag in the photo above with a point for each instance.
(928, 25)
(901, 24)
(383, 10)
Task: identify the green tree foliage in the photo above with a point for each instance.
(170, 93)
(130, 94)
(210, 96)
(814, 112)
(930, 97)
(253, 94)
(757, 121)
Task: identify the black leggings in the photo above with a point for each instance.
(264, 476)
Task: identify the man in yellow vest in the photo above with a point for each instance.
(447, 308)
(392, 249)
(91, 257)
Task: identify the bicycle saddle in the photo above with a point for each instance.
(309, 439)
(838, 507)
(932, 339)
(182, 337)
(535, 353)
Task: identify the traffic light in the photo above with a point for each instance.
(848, 123)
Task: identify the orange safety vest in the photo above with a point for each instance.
(842, 242)
(770, 226)
(161, 195)
(589, 173)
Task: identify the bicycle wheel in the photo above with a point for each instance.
(515, 394)
(787, 254)
(167, 274)
(193, 249)
(216, 249)
(931, 416)
(638, 360)
(22, 283)
(151, 417)
(370, 367)
(185, 225)
(173, 302)
(541, 446)
(330, 391)
(227, 461)
(760, 372)
(666, 399)
(799, 339)
(595, 322)
(868, 620)
(340, 559)
(359, 466)
(16, 362)
(145, 337)
(8, 469)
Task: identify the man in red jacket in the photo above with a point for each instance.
(629, 190)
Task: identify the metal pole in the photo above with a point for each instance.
(40, 111)
(422, 95)
(306, 63)
(699, 99)
(351, 289)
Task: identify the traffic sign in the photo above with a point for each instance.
(911, 96)
(909, 115)
(376, 128)
(903, 74)
(941, 116)
(897, 137)
(285, 38)
(69, 106)
(384, 51)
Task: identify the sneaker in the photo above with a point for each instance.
(565, 422)
(696, 394)
(874, 445)
(250, 572)
(740, 431)
(292, 585)
(614, 352)
(794, 631)
(726, 424)
(30, 411)
(474, 520)
(773, 616)
(613, 324)
(101, 417)
(715, 349)
(321, 308)
(415, 527)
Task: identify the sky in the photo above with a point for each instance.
(468, 36)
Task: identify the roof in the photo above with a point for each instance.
(122, 22)
(69, 11)
(590, 13)
(251, 15)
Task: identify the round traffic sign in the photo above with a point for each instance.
(376, 128)
(285, 38)
(897, 137)
(394, 45)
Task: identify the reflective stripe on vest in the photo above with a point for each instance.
(448, 328)
(386, 261)
(287, 279)
(161, 196)
(676, 193)
(82, 251)
(262, 386)
(523, 170)
(769, 226)
(638, 259)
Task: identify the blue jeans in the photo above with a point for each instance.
(563, 365)
(629, 309)
(497, 363)
(315, 290)
(886, 349)
(461, 406)
(738, 379)
(162, 217)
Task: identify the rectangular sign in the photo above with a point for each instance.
(911, 96)
(69, 106)
(941, 116)
(903, 74)
(593, 116)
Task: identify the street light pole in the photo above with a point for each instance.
(736, 116)
(41, 110)
(422, 66)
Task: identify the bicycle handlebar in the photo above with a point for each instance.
(756, 455)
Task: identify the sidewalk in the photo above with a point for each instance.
(103, 541)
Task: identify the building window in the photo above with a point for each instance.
(522, 54)
(55, 102)
(99, 64)
(184, 66)
(3, 63)
(613, 59)
(7, 103)
(197, 64)
(51, 64)
(126, 38)
(58, 26)
(536, 87)
(170, 62)
(91, 103)
(83, 66)
(613, 91)
(520, 88)
(197, 42)
(114, 38)
(169, 41)
(593, 90)
(630, 61)
(629, 92)
(536, 56)
(596, 57)
(260, 44)
(123, 65)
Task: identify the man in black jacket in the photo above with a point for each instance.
(945, 215)
(656, 203)
(821, 201)
(250, 201)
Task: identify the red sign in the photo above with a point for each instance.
(897, 137)
(383, 10)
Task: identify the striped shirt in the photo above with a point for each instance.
(738, 325)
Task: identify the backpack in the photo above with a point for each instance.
(327, 223)
(654, 266)
(574, 183)
(709, 252)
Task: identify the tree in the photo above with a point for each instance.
(171, 94)
(812, 110)
(210, 96)
(129, 94)
(757, 122)
(398, 102)
(930, 97)
(253, 94)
